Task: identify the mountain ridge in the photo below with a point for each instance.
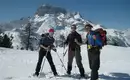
(61, 20)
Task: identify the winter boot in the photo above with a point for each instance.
(82, 72)
(69, 70)
(55, 74)
(36, 74)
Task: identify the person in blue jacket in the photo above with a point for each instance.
(94, 44)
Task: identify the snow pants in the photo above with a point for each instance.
(94, 62)
(42, 53)
(77, 55)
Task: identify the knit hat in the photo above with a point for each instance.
(51, 30)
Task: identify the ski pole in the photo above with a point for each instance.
(65, 52)
(75, 59)
(61, 61)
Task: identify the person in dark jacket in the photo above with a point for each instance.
(46, 44)
(93, 52)
(74, 41)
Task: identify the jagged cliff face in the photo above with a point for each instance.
(48, 9)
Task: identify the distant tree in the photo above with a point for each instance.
(0, 31)
(6, 42)
(1, 39)
(27, 36)
(28, 29)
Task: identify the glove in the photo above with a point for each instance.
(54, 49)
(48, 48)
(75, 40)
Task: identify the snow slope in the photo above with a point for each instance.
(18, 65)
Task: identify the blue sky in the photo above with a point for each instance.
(110, 13)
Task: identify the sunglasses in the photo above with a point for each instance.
(73, 28)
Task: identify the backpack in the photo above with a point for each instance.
(43, 36)
(102, 34)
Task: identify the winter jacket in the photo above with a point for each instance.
(94, 42)
(47, 41)
(71, 40)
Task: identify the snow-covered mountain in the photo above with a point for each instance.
(48, 16)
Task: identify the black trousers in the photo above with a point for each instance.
(42, 53)
(94, 62)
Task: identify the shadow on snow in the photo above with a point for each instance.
(115, 76)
